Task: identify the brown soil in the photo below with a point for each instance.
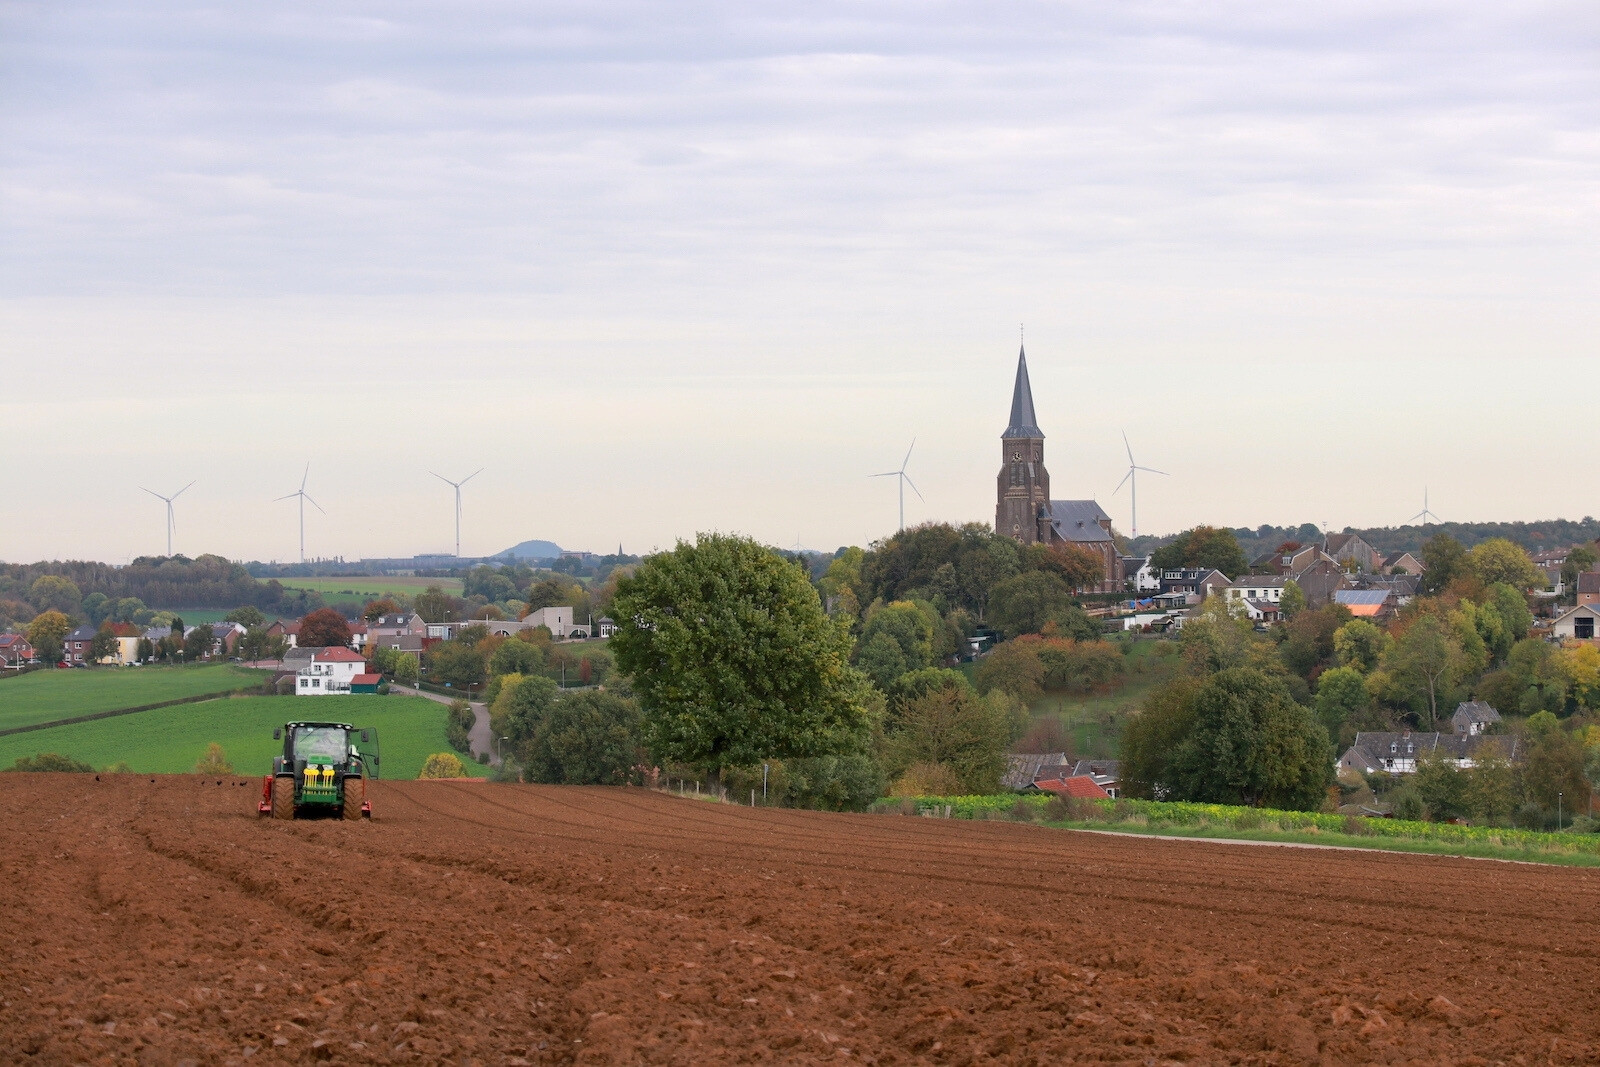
(162, 921)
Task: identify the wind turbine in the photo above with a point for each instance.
(1131, 480)
(905, 480)
(1424, 514)
(172, 523)
(457, 486)
(304, 496)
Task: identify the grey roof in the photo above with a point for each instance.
(1023, 767)
(1262, 581)
(1475, 711)
(1361, 596)
(82, 633)
(1370, 749)
(1023, 421)
(1099, 768)
(1079, 520)
(1589, 582)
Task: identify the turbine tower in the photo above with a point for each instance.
(905, 480)
(1424, 514)
(304, 496)
(1131, 480)
(457, 486)
(172, 523)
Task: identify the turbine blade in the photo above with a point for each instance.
(473, 475)
(886, 474)
(286, 496)
(153, 493)
(908, 454)
(313, 502)
(913, 486)
(1152, 470)
(1129, 447)
(306, 475)
(1124, 481)
(185, 489)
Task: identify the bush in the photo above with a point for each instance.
(457, 725)
(213, 762)
(50, 761)
(926, 780)
(587, 738)
(442, 765)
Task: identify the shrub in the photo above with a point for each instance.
(50, 761)
(442, 765)
(213, 762)
(926, 780)
(458, 724)
(588, 738)
(1022, 811)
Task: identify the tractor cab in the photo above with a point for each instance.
(324, 767)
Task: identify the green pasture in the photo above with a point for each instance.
(45, 696)
(197, 616)
(371, 586)
(171, 740)
(1094, 721)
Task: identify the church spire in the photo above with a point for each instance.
(1023, 421)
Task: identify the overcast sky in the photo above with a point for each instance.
(662, 268)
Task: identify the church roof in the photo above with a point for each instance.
(1023, 421)
(1078, 520)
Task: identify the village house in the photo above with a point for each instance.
(1400, 753)
(15, 651)
(1402, 562)
(1474, 717)
(1353, 553)
(1375, 604)
(1079, 786)
(289, 631)
(328, 672)
(1588, 587)
(1023, 767)
(1193, 584)
(402, 632)
(1577, 623)
(76, 644)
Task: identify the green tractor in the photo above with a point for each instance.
(323, 770)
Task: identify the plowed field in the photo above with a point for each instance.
(161, 921)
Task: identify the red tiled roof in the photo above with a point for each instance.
(337, 655)
(1080, 785)
(366, 679)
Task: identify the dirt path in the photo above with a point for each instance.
(500, 924)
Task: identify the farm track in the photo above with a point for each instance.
(161, 921)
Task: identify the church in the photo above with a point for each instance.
(1023, 508)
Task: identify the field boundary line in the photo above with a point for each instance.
(114, 712)
(1309, 844)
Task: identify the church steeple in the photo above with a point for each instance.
(1023, 422)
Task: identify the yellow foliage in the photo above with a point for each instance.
(442, 765)
(1581, 666)
(215, 761)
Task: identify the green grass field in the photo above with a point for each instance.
(1094, 721)
(371, 587)
(170, 740)
(196, 616)
(45, 696)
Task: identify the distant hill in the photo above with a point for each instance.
(1533, 536)
(533, 550)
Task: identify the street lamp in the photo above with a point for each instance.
(1558, 811)
(497, 753)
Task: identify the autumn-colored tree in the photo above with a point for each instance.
(1079, 567)
(47, 633)
(376, 609)
(1500, 560)
(324, 628)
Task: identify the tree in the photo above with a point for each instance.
(1308, 644)
(51, 592)
(145, 651)
(1360, 644)
(1012, 667)
(521, 706)
(1580, 559)
(249, 616)
(1079, 567)
(1499, 560)
(1205, 547)
(911, 626)
(435, 605)
(457, 663)
(1443, 560)
(50, 761)
(127, 608)
(734, 659)
(47, 633)
(1250, 743)
(1341, 695)
(1512, 607)
(442, 765)
(215, 761)
(324, 628)
(405, 668)
(199, 642)
(588, 738)
(1552, 771)
(97, 608)
(1024, 603)
(1292, 601)
(1426, 656)
(914, 684)
(516, 657)
(955, 727)
(881, 659)
(1150, 738)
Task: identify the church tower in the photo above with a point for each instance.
(1023, 487)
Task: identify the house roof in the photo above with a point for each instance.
(1395, 557)
(12, 639)
(1023, 421)
(1589, 582)
(1475, 711)
(1261, 581)
(1023, 767)
(1078, 785)
(83, 633)
(1350, 598)
(1371, 748)
(336, 655)
(1079, 520)
(1588, 609)
(366, 679)
(1337, 542)
(1107, 768)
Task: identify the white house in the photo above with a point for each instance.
(1581, 623)
(1267, 587)
(1141, 575)
(329, 672)
(558, 620)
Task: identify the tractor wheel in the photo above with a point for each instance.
(283, 797)
(355, 792)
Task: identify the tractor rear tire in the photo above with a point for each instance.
(283, 797)
(355, 792)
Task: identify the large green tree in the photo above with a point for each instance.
(1426, 658)
(47, 633)
(733, 658)
(1499, 560)
(953, 726)
(1203, 546)
(587, 738)
(1443, 560)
